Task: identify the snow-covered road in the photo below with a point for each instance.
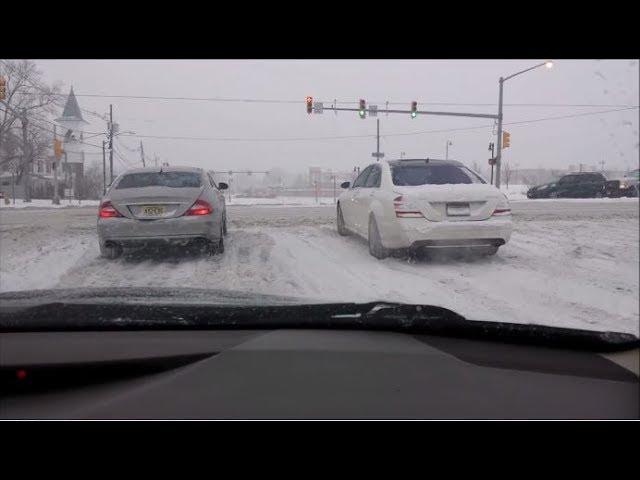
(569, 263)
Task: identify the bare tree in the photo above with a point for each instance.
(28, 101)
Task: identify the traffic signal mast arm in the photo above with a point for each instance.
(421, 112)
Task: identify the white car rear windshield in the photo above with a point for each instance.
(160, 179)
(413, 175)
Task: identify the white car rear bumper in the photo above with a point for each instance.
(416, 232)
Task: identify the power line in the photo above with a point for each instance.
(285, 139)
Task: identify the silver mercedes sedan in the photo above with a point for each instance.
(161, 206)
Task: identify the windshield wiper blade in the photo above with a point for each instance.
(399, 317)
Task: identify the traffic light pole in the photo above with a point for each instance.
(419, 112)
(499, 154)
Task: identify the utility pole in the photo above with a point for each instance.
(110, 144)
(26, 160)
(499, 155)
(446, 155)
(104, 169)
(56, 193)
(378, 139)
(142, 153)
(155, 159)
(602, 165)
(67, 172)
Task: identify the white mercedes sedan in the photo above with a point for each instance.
(423, 203)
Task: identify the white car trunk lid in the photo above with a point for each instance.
(451, 202)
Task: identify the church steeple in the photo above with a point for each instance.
(72, 115)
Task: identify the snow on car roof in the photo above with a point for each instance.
(164, 169)
(431, 161)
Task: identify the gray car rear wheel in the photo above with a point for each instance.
(218, 247)
(111, 252)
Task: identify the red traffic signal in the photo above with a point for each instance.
(309, 104)
(3, 89)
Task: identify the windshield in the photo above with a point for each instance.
(260, 181)
(414, 175)
(162, 179)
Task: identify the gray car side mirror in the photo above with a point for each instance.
(345, 184)
(222, 186)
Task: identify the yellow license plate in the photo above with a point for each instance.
(152, 211)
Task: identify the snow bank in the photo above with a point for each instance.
(39, 203)
(281, 201)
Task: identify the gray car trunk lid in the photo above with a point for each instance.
(174, 202)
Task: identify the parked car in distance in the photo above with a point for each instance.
(423, 203)
(575, 185)
(164, 206)
(628, 185)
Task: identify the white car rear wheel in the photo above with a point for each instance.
(342, 229)
(375, 243)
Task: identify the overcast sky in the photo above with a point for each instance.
(612, 137)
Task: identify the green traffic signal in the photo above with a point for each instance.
(414, 114)
(361, 113)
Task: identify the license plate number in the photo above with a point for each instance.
(458, 210)
(152, 211)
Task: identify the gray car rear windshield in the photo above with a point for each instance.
(413, 175)
(157, 179)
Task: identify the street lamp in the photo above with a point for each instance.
(446, 156)
(548, 64)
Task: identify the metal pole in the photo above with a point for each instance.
(104, 170)
(110, 144)
(56, 193)
(334, 188)
(67, 172)
(13, 186)
(491, 146)
(26, 161)
(499, 154)
(378, 140)
(142, 153)
(446, 155)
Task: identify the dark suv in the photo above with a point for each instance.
(574, 185)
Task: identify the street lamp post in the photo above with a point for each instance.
(446, 155)
(501, 81)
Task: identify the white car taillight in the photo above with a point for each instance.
(405, 210)
(503, 209)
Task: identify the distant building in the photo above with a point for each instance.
(73, 159)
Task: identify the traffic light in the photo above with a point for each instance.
(309, 105)
(57, 148)
(414, 109)
(362, 109)
(506, 139)
(3, 89)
